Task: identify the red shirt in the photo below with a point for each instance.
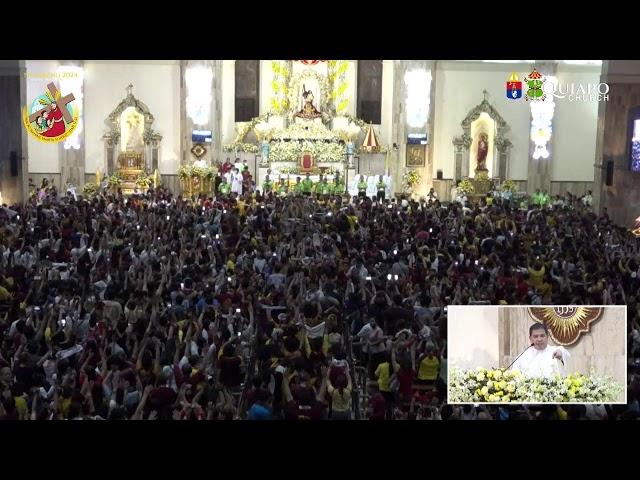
(405, 379)
(378, 407)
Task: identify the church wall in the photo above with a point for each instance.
(43, 157)
(622, 197)
(386, 129)
(266, 79)
(575, 126)
(157, 85)
(228, 101)
(479, 349)
(13, 140)
(458, 89)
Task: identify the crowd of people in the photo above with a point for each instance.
(291, 306)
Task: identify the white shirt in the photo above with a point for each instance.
(540, 363)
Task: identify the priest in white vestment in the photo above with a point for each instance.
(542, 359)
(236, 182)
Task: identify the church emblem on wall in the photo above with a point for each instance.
(514, 87)
(51, 117)
(198, 150)
(535, 80)
(566, 324)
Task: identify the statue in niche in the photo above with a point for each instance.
(133, 126)
(483, 149)
(308, 111)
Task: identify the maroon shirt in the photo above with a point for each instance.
(378, 407)
(230, 374)
(294, 411)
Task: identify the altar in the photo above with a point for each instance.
(131, 145)
(308, 132)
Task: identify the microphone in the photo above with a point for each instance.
(519, 356)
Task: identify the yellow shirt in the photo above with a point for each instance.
(4, 294)
(383, 374)
(536, 277)
(340, 402)
(428, 369)
(21, 406)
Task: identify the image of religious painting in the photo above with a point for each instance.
(416, 155)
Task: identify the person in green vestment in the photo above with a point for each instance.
(323, 188)
(381, 188)
(297, 188)
(362, 187)
(338, 186)
(282, 187)
(225, 187)
(307, 186)
(546, 199)
(267, 186)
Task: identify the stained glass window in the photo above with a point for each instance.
(635, 146)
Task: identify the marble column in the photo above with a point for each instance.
(622, 198)
(214, 149)
(539, 170)
(401, 128)
(599, 167)
(13, 96)
(72, 160)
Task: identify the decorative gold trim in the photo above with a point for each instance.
(566, 323)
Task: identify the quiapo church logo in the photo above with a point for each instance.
(566, 324)
(537, 87)
(51, 117)
(534, 82)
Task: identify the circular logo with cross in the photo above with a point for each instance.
(51, 117)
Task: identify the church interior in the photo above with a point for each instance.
(282, 239)
(287, 118)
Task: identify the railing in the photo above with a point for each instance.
(355, 400)
(251, 366)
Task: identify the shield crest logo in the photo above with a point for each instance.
(514, 87)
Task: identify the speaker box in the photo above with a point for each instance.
(609, 173)
(13, 163)
(439, 174)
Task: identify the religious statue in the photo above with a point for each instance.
(351, 149)
(483, 149)
(308, 111)
(265, 151)
(133, 132)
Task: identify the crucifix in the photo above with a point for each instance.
(130, 89)
(61, 103)
(485, 94)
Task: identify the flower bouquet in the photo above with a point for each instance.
(143, 181)
(465, 187)
(89, 189)
(509, 186)
(504, 386)
(114, 182)
(410, 179)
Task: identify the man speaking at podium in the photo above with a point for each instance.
(541, 359)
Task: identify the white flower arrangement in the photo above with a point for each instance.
(503, 386)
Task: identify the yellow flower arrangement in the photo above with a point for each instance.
(512, 386)
(465, 186)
